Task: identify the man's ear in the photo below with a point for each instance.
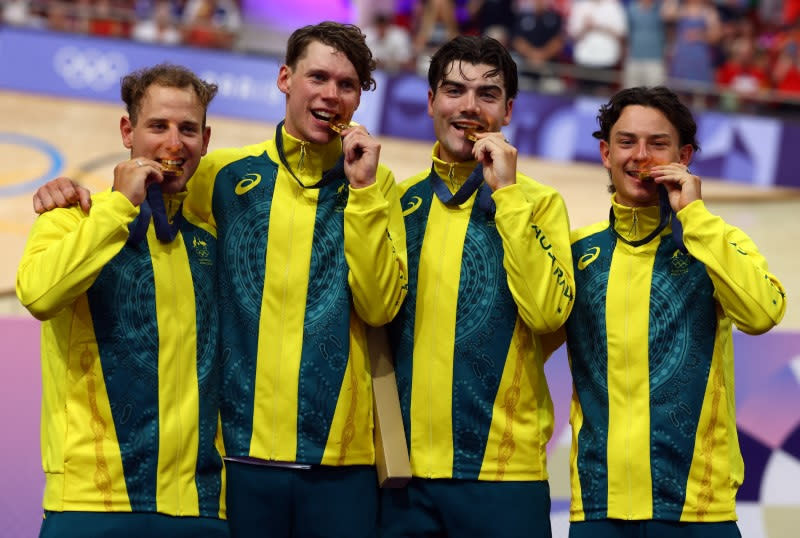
(687, 152)
(285, 79)
(605, 150)
(126, 130)
(509, 108)
(206, 138)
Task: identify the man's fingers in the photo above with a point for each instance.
(45, 200)
(70, 194)
(85, 199)
(357, 144)
(60, 199)
(38, 207)
(60, 192)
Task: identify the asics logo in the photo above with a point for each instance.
(247, 183)
(413, 205)
(590, 256)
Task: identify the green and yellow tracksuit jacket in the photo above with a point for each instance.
(130, 376)
(302, 271)
(649, 339)
(469, 365)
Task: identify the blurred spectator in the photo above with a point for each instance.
(406, 13)
(37, 15)
(734, 22)
(597, 29)
(179, 8)
(432, 15)
(225, 13)
(60, 17)
(17, 12)
(143, 9)
(786, 72)
(791, 11)
(538, 37)
(159, 26)
(390, 44)
(644, 61)
(741, 72)
(209, 23)
(743, 28)
(103, 18)
(697, 31)
(742, 77)
(788, 39)
(367, 10)
(494, 18)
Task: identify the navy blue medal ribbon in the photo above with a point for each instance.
(474, 182)
(677, 227)
(666, 213)
(153, 207)
(328, 177)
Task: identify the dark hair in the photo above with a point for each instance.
(345, 38)
(475, 50)
(135, 85)
(658, 97)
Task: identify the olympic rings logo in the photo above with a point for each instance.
(89, 68)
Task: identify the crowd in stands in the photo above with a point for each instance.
(200, 23)
(739, 55)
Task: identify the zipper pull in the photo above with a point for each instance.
(302, 164)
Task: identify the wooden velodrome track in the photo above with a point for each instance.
(86, 135)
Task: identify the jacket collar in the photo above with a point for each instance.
(634, 223)
(453, 174)
(309, 161)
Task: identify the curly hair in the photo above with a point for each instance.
(135, 85)
(345, 38)
(658, 97)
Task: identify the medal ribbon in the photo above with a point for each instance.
(328, 177)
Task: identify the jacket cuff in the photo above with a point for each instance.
(365, 199)
(119, 205)
(509, 197)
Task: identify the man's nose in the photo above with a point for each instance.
(330, 90)
(641, 151)
(174, 139)
(471, 103)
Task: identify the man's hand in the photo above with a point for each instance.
(61, 192)
(361, 153)
(682, 186)
(499, 159)
(132, 178)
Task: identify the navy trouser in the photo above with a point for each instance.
(323, 501)
(461, 508)
(129, 525)
(617, 528)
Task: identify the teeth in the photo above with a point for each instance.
(172, 167)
